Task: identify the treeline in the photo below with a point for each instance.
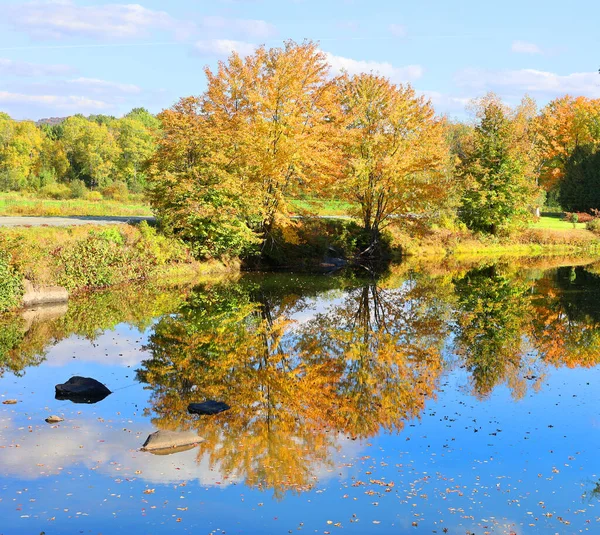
(79, 156)
(276, 124)
(222, 168)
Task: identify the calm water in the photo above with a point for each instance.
(439, 399)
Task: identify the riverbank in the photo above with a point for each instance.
(531, 242)
(91, 257)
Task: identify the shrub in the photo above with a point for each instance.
(11, 284)
(162, 249)
(110, 234)
(93, 196)
(55, 191)
(98, 261)
(12, 180)
(581, 217)
(44, 178)
(78, 189)
(593, 225)
(117, 191)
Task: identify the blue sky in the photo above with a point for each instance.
(61, 57)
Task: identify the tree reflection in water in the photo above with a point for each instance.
(303, 377)
(370, 361)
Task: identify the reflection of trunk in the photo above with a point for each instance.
(269, 351)
(369, 319)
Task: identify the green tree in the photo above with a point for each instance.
(493, 313)
(579, 189)
(145, 117)
(92, 151)
(499, 192)
(137, 145)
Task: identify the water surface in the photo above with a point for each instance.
(434, 399)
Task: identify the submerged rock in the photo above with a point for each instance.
(208, 407)
(82, 390)
(54, 419)
(167, 442)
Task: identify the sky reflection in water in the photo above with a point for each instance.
(458, 398)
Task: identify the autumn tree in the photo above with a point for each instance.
(192, 190)
(566, 124)
(273, 113)
(230, 158)
(394, 152)
(92, 150)
(293, 387)
(20, 147)
(499, 189)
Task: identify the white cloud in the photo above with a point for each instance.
(545, 84)
(523, 47)
(57, 19)
(9, 67)
(74, 445)
(107, 350)
(258, 29)
(447, 103)
(397, 30)
(51, 97)
(71, 103)
(223, 47)
(352, 66)
(100, 86)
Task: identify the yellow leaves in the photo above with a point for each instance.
(272, 110)
(565, 124)
(394, 150)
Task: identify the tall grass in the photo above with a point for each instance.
(12, 204)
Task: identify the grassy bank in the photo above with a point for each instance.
(19, 204)
(308, 243)
(90, 257)
(532, 242)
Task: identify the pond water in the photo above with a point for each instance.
(435, 399)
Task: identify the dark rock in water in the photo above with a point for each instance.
(208, 407)
(167, 442)
(331, 264)
(82, 390)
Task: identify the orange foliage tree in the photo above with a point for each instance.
(566, 124)
(394, 151)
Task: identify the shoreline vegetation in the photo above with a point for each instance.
(92, 258)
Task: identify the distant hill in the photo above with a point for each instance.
(51, 121)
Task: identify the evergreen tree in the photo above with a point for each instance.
(498, 193)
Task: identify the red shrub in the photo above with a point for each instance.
(582, 217)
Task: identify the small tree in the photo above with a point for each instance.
(498, 189)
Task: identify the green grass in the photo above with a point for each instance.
(329, 207)
(19, 205)
(555, 223)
